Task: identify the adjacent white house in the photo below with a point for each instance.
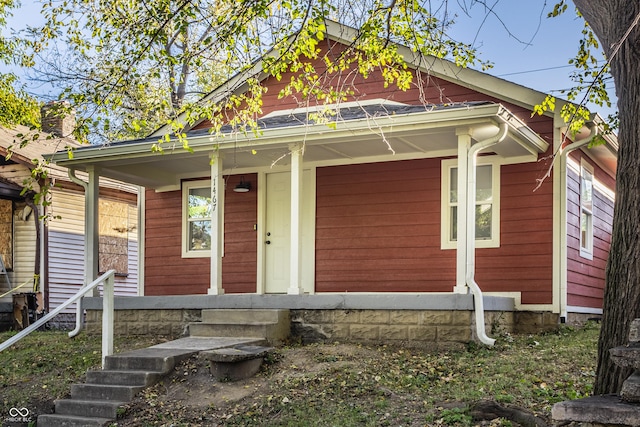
(43, 245)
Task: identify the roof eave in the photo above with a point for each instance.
(313, 133)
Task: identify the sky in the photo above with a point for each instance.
(524, 45)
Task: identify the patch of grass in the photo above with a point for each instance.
(330, 384)
(531, 371)
(456, 417)
(41, 367)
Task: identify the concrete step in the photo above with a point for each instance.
(88, 408)
(119, 393)
(96, 403)
(272, 332)
(232, 316)
(130, 378)
(157, 360)
(54, 420)
(271, 325)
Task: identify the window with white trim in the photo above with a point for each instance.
(196, 219)
(586, 210)
(487, 203)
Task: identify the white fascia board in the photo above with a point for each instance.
(524, 134)
(463, 116)
(284, 135)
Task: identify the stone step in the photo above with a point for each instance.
(96, 403)
(125, 377)
(272, 332)
(55, 420)
(119, 393)
(233, 316)
(88, 408)
(159, 360)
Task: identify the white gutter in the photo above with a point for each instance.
(471, 230)
(564, 155)
(282, 136)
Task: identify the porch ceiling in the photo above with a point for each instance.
(419, 134)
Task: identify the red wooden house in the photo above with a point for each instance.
(382, 203)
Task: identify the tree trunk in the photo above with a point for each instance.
(610, 20)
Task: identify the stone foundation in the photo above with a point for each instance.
(393, 326)
(64, 321)
(532, 322)
(307, 326)
(405, 319)
(165, 322)
(580, 319)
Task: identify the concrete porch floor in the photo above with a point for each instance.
(347, 301)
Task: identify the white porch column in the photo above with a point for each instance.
(464, 143)
(295, 276)
(92, 215)
(217, 235)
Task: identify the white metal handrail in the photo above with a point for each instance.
(108, 280)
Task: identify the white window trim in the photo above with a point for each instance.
(186, 186)
(445, 220)
(586, 248)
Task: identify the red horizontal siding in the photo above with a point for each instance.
(523, 262)
(586, 278)
(373, 236)
(381, 232)
(167, 273)
(385, 217)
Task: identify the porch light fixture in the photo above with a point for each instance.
(243, 186)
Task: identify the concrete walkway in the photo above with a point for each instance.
(196, 344)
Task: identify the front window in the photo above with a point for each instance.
(486, 203)
(197, 208)
(586, 210)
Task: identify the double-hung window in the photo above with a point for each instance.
(487, 203)
(586, 210)
(196, 219)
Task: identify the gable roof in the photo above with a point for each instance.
(444, 69)
(39, 147)
(350, 139)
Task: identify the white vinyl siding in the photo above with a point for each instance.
(66, 250)
(65, 247)
(24, 250)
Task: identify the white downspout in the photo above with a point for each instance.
(79, 309)
(564, 155)
(471, 230)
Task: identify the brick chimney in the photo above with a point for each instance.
(58, 118)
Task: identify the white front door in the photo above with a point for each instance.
(278, 232)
